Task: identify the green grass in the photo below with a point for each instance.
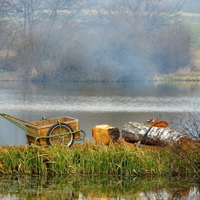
(116, 159)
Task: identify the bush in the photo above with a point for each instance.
(188, 124)
(172, 48)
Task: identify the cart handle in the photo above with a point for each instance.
(9, 116)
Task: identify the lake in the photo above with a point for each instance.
(93, 104)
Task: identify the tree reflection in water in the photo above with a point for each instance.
(98, 187)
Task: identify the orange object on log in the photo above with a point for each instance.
(161, 124)
(105, 134)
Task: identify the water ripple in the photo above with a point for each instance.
(101, 104)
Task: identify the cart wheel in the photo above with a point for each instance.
(59, 128)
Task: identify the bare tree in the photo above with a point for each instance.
(29, 8)
(156, 13)
(28, 13)
(188, 123)
(69, 9)
(151, 14)
(2, 25)
(7, 37)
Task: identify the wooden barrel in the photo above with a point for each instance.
(160, 136)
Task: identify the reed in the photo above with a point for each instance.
(115, 159)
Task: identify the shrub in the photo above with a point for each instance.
(172, 48)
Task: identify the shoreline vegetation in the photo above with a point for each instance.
(90, 158)
(193, 76)
(189, 76)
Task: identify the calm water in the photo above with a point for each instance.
(93, 104)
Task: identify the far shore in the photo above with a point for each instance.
(189, 76)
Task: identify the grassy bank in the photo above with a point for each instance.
(98, 159)
(179, 77)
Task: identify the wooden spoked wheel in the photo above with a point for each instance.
(62, 134)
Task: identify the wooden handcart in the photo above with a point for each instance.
(63, 130)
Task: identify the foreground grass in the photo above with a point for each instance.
(116, 159)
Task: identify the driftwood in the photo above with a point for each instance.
(160, 136)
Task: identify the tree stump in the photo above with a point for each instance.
(105, 134)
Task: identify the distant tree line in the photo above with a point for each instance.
(79, 40)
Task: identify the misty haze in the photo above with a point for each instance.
(85, 40)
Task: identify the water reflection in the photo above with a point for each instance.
(93, 103)
(102, 97)
(98, 187)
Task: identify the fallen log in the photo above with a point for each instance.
(159, 136)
